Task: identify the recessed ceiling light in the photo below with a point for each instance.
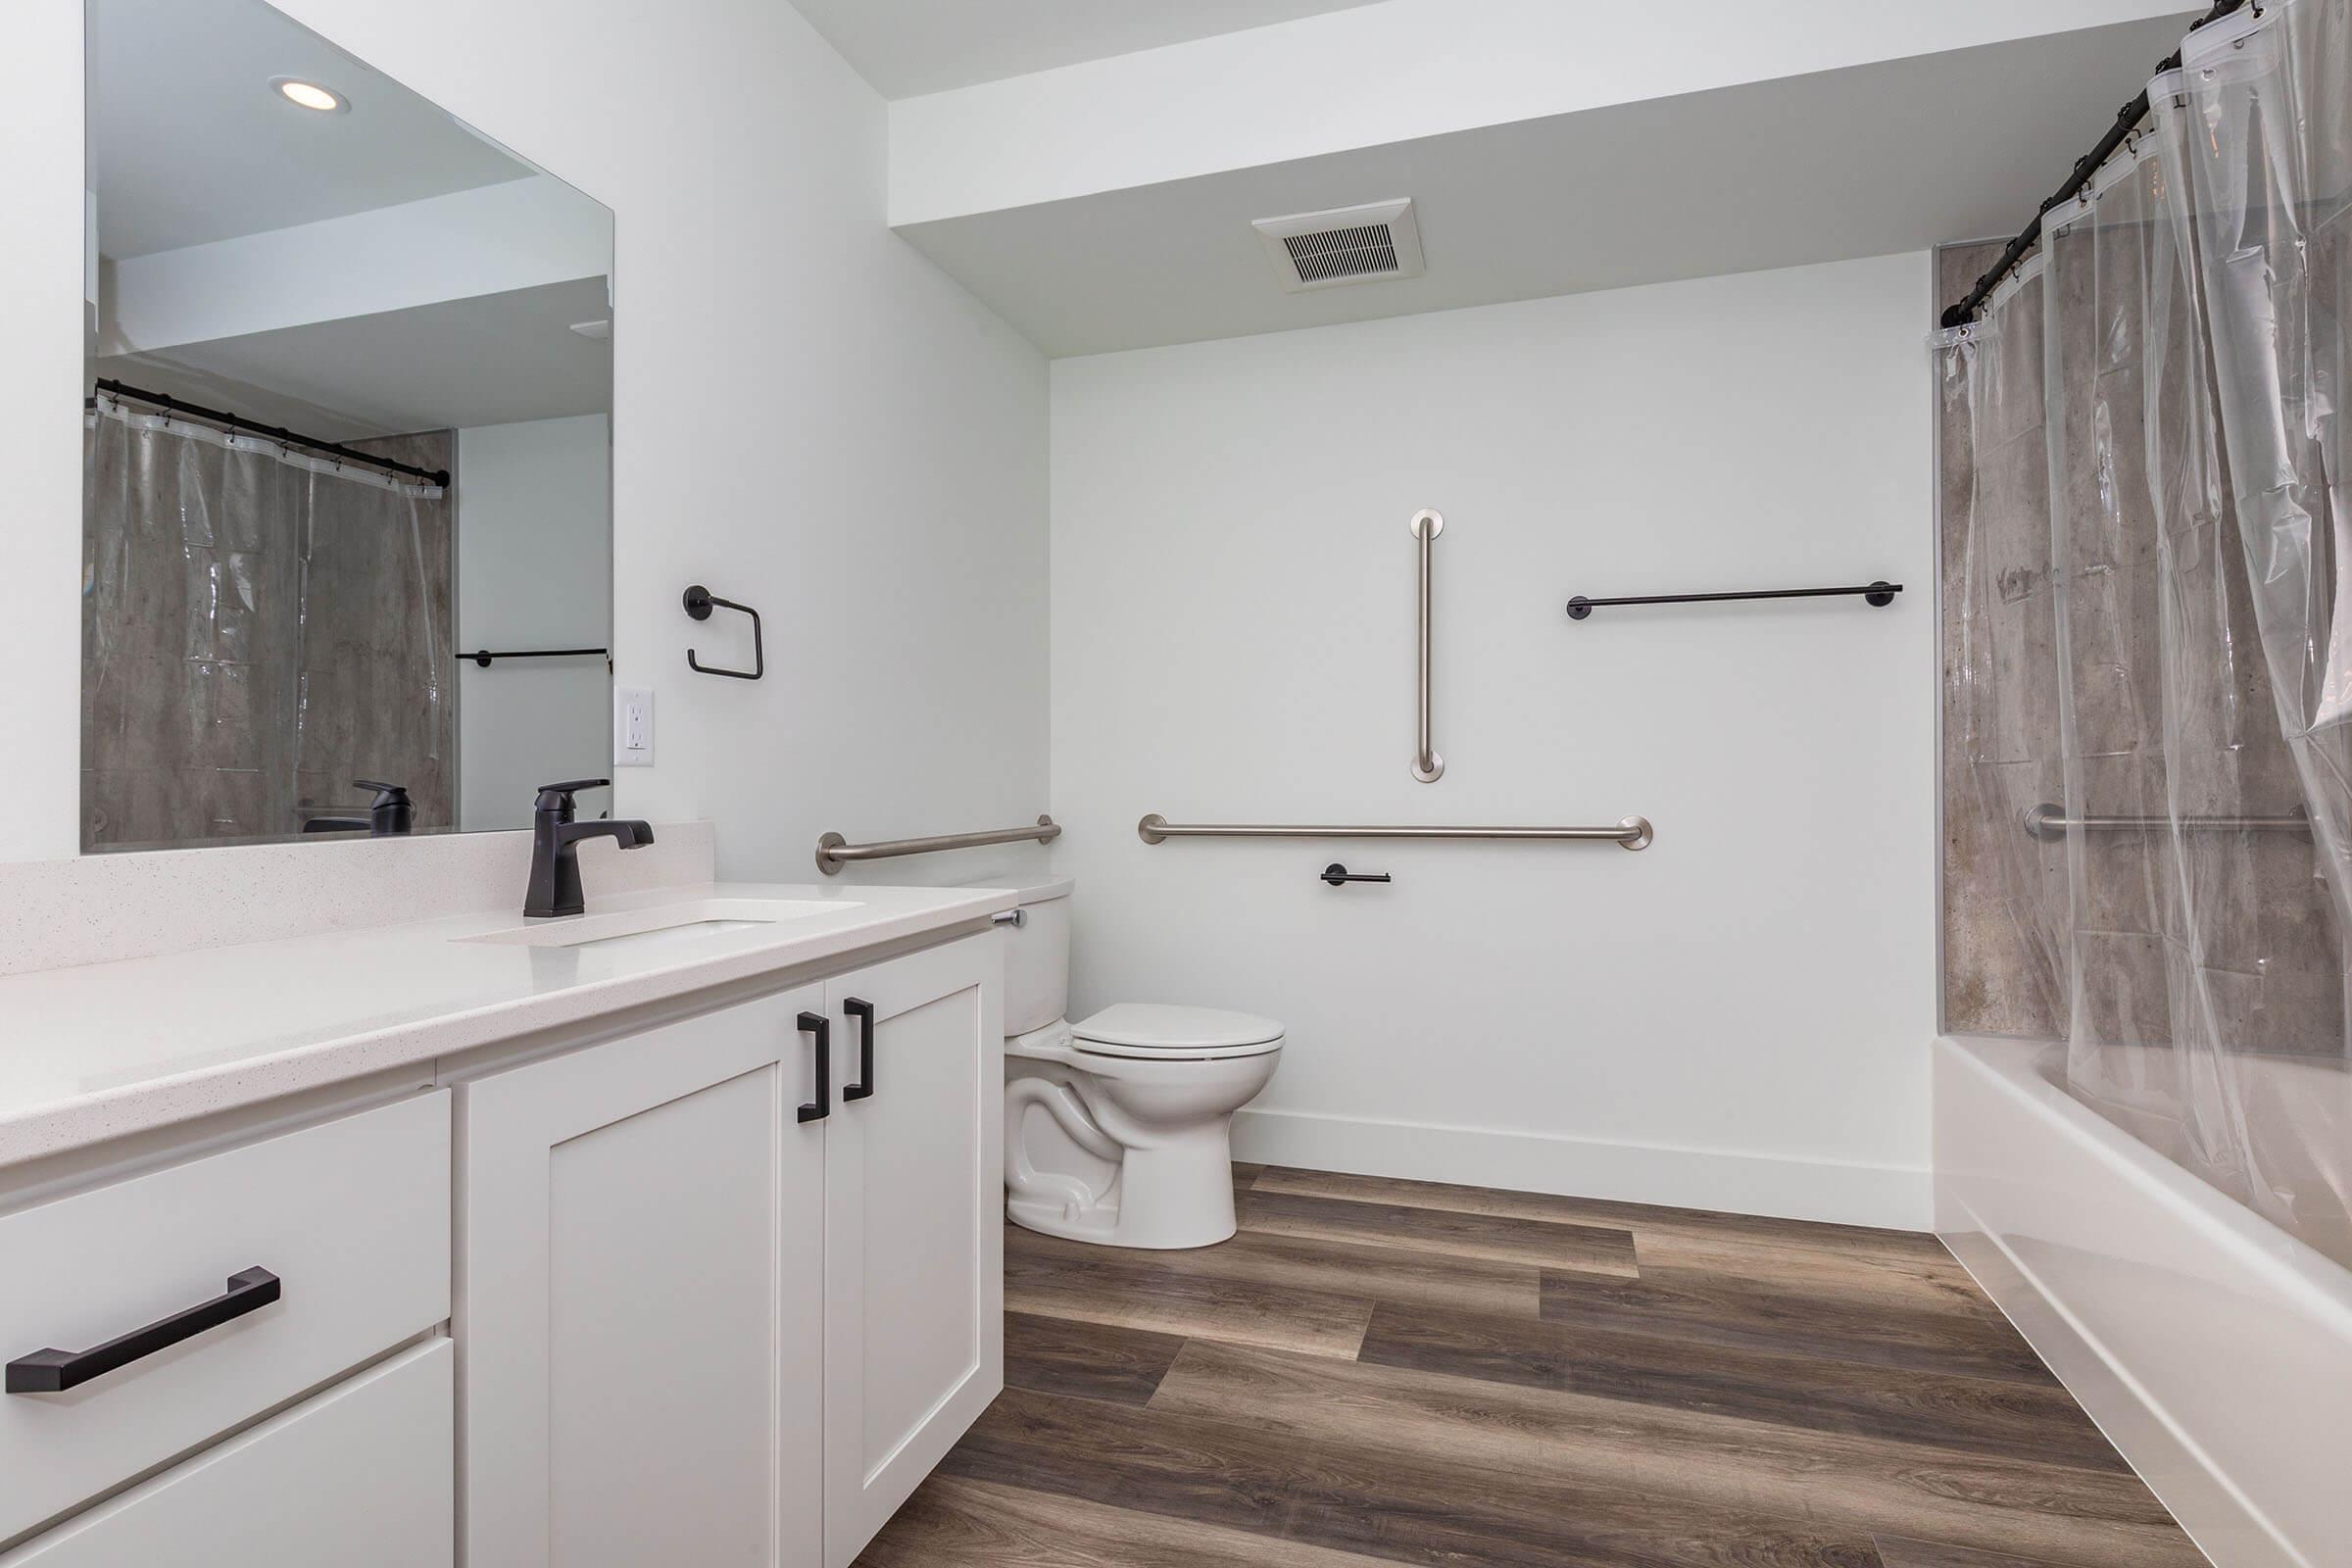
(309, 95)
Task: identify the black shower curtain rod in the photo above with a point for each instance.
(333, 448)
(2130, 115)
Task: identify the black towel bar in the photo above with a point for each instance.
(1876, 594)
(484, 656)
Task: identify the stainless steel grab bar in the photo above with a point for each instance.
(1634, 833)
(833, 851)
(2049, 822)
(1428, 765)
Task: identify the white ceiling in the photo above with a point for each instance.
(1867, 160)
(189, 142)
(908, 47)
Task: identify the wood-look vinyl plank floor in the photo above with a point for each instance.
(1896, 1553)
(1490, 1237)
(954, 1523)
(1379, 1371)
(1652, 1222)
(1086, 1360)
(1706, 1306)
(1899, 1268)
(1965, 1415)
(1127, 1290)
(1333, 1269)
(1233, 1470)
(2104, 1520)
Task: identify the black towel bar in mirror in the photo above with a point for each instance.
(700, 602)
(484, 656)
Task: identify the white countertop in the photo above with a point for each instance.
(105, 1049)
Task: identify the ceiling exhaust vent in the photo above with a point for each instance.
(1349, 245)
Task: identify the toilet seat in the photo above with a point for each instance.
(1144, 1031)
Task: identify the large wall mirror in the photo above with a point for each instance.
(347, 537)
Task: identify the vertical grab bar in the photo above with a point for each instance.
(1428, 765)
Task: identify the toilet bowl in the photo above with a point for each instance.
(1152, 1109)
(1117, 1128)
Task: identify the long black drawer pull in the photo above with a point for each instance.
(863, 1012)
(817, 1025)
(56, 1371)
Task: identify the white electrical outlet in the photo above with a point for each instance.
(633, 726)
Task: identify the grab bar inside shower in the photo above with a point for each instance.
(2047, 822)
(1633, 833)
(833, 851)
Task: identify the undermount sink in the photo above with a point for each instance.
(664, 926)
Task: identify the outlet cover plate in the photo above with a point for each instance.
(633, 726)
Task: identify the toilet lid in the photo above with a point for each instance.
(1145, 1026)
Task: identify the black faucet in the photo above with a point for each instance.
(392, 815)
(554, 847)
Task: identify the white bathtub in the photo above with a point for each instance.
(2214, 1348)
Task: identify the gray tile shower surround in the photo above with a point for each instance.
(251, 671)
(2274, 968)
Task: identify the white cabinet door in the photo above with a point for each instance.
(639, 1300)
(914, 1239)
(358, 1476)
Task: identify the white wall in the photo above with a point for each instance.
(808, 416)
(1738, 1016)
(40, 424)
(534, 570)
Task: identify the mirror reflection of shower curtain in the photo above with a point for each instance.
(258, 630)
(2187, 315)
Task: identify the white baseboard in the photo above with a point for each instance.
(1893, 1196)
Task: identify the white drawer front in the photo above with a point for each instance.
(353, 1218)
(359, 1476)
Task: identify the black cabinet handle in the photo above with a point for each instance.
(817, 1025)
(56, 1371)
(863, 1012)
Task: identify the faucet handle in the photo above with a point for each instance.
(388, 793)
(557, 797)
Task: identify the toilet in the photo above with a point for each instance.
(1117, 1128)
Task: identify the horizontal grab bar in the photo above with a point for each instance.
(2047, 822)
(833, 851)
(1634, 833)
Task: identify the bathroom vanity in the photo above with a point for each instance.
(667, 1232)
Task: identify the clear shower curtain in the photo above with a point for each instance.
(259, 628)
(2188, 314)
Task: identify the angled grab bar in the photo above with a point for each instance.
(1633, 833)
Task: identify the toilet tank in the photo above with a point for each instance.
(1037, 957)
